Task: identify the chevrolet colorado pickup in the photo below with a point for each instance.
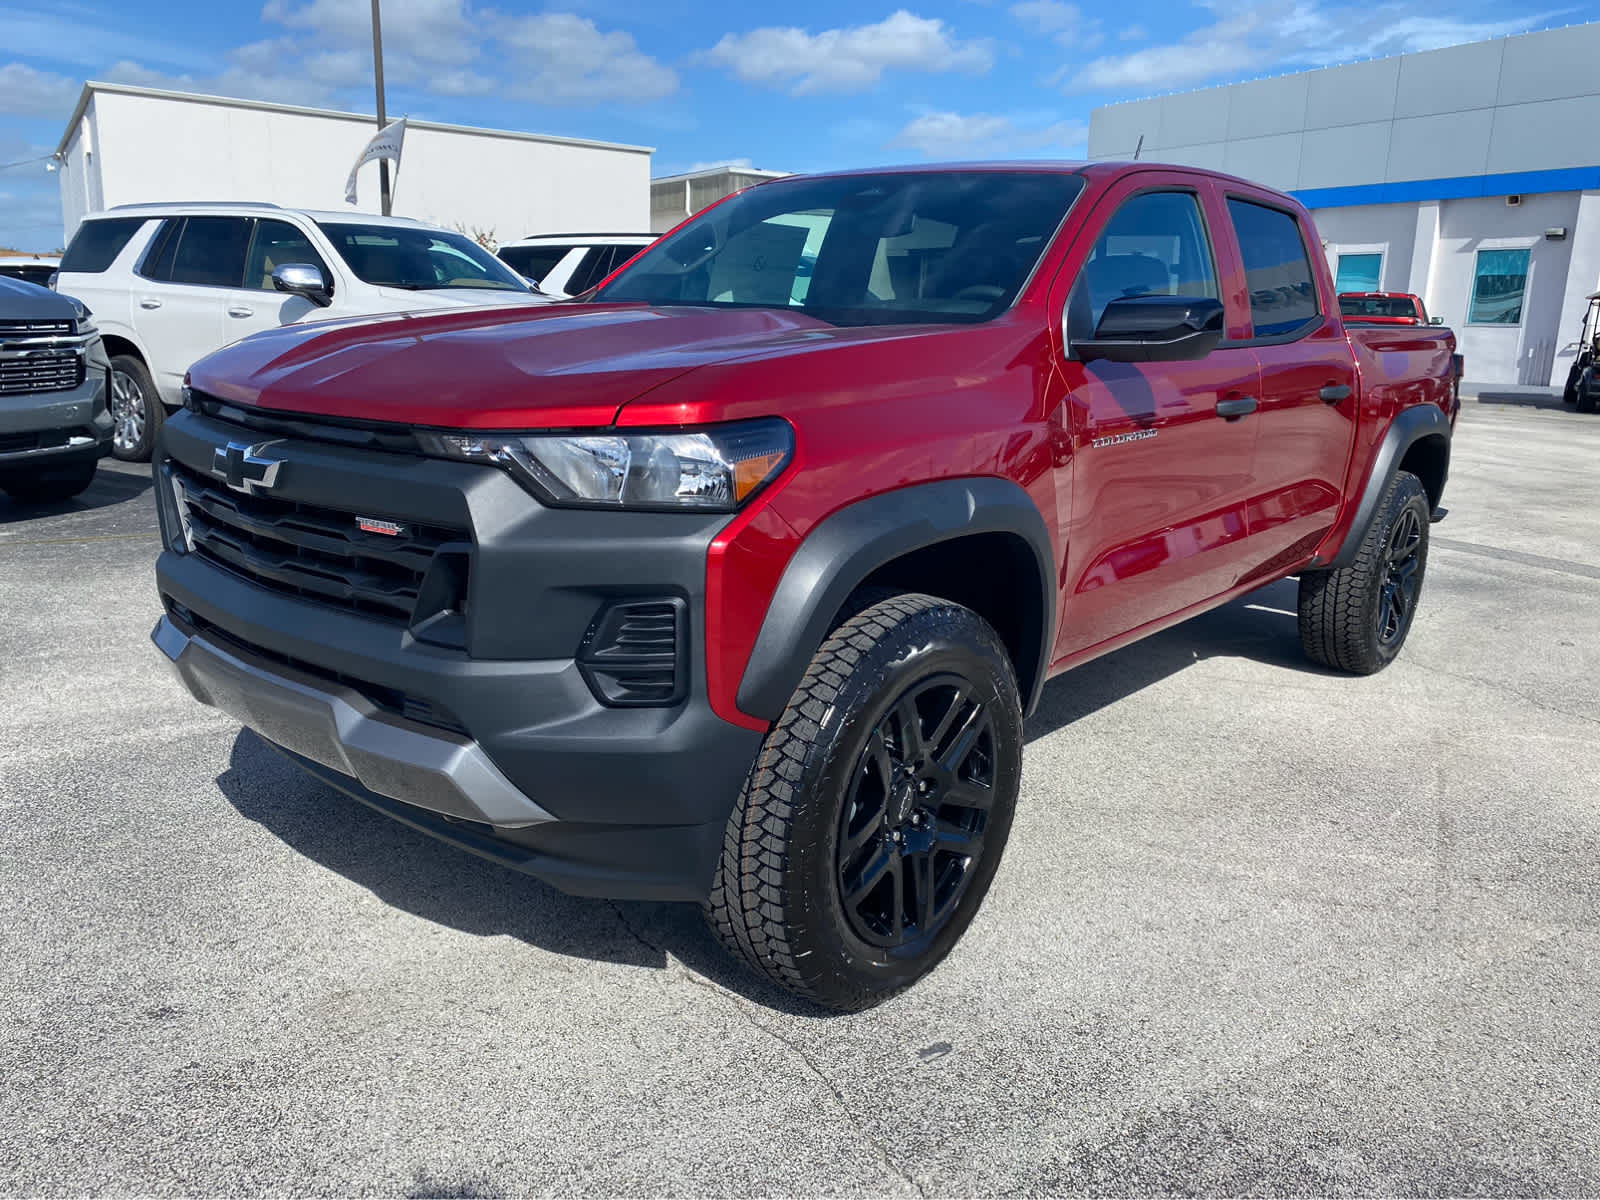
(734, 586)
(54, 423)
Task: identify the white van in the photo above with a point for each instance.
(170, 283)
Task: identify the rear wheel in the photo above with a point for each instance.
(1356, 618)
(136, 410)
(1588, 392)
(873, 821)
(61, 483)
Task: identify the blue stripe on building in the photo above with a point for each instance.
(1571, 179)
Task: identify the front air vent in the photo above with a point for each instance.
(634, 654)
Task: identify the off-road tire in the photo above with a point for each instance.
(1588, 397)
(60, 483)
(1340, 610)
(132, 371)
(776, 900)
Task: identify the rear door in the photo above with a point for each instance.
(1306, 422)
(183, 289)
(1159, 479)
(258, 305)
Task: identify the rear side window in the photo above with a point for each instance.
(211, 251)
(97, 243)
(533, 262)
(1283, 291)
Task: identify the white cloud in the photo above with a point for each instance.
(430, 31)
(716, 163)
(1066, 23)
(1260, 36)
(849, 59)
(27, 92)
(1133, 33)
(562, 58)
(978, 135)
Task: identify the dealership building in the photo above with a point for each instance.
(130, 145)
(1469, 176)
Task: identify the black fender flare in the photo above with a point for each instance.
(848, 546)
(1408, 428)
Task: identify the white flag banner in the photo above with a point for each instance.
(386, 144)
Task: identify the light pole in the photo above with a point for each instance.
(377, 64)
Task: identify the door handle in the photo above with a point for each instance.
(1336, 392)
(149, 302)
(1238, 406)
(240, 310)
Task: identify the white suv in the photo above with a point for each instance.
(569, 264)
(170, 283)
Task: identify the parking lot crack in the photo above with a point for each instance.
(1500, 687)
(746, 1012)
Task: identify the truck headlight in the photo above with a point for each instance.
(715, 469)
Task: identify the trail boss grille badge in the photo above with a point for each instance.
(374, 525)
(246, 468)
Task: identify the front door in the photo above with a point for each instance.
(258, 305)
(1161, 479)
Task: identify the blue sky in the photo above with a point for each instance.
(788, 87)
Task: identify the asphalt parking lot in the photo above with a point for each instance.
(1259, 928)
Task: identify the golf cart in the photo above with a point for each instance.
(1583, 389)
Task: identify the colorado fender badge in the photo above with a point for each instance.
(374, 525)
(1121, 438)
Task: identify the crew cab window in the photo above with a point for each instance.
(1283, 291)
(1155, 245)
(900, 247)
(276, 244)
(97, 243)
(418, 260)
(210, 251)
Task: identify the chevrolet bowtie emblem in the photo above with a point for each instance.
(245, 468)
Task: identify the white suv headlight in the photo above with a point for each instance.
(714, 469)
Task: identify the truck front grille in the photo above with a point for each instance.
(55, 371)
(322, 554)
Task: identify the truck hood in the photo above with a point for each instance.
(21, 301)
(503, 368)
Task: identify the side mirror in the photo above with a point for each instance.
(303, 279)
(1155, 329)
(1435, 320)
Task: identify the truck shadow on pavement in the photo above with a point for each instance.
(110, 488)
(1525, 400)
(414, 873)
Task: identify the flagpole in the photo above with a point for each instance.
(377, 64)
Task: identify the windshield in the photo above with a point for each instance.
(418, 259)
(904, 248)
(1377, 306)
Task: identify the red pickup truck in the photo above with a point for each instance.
(734, 581)
(1383, 308)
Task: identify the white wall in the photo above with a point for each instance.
(1386, 229)
(162, 149)
(1526, 103)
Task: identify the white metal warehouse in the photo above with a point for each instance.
(126, 145)
(1468, 176)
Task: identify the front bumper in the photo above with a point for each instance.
(497, 742)
(43, 430)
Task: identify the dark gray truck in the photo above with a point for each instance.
(54, 423)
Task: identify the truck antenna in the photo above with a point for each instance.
(1138, 148)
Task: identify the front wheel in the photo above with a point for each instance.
(1356, 618)
(873, 821)
(136, 411)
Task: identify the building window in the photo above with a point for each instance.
(1359, 273)
(1498, 285)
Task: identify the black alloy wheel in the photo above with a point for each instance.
(1402, 562)
(877, 812)
(911, 828)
